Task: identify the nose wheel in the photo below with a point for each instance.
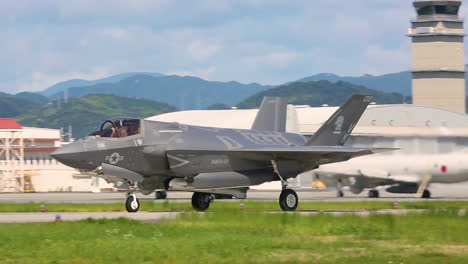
(132, 204)
(201, 201)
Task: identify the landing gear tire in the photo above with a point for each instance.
(132, 204)
(426, 194)
(160, 195)
(339, 194)
(288, 200)
(373, 194)
(201, 201)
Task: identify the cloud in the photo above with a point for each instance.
(39, 80)
(389, 60)
(275, 59)
(117, 33)
(265, 41)
(201, 51)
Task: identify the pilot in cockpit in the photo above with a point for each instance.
(117, 128)
(120, 129)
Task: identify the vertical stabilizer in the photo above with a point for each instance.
(292, 121)
(336, 130)
(271, 114)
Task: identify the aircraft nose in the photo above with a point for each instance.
(69, 154)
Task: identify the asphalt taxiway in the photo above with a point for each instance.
(454, 192)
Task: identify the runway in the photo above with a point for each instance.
(439, 192)
(458, 192)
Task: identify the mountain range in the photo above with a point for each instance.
(317, 93)
(141, 94)
(62, 86)
(184, 92)
(89, 105)
(392, 83)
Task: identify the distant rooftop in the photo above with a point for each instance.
(9, 123)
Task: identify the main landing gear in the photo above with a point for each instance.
(373, 194)
(426, 194)
(160, 195)
(201, 201)
(288, 199)
(339, 189)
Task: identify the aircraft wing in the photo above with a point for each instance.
(309, 156)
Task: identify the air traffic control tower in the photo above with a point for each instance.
(438, 55)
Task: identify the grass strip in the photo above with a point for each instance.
(169, 205)
(233, 236)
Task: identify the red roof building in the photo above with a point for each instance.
(9, 123)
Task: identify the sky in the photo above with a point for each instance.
(264, 41)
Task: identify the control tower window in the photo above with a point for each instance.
(446, 10)
(426, 10)
(438, 9)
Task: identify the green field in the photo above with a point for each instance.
(229, 235)
(243, 237)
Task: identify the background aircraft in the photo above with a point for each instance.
(152, 155)
(401, 173)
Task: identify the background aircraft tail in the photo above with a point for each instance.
(271, 114)
(336, 130)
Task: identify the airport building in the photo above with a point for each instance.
(437, 35)
(25, 164)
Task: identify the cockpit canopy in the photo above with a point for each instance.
(117, 128)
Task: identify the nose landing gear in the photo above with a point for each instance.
(132, 204)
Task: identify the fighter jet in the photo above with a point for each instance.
(152, 155)
(400, 173)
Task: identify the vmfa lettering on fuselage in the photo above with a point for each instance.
(154, 155)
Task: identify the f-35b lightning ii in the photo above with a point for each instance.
(152, 155)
